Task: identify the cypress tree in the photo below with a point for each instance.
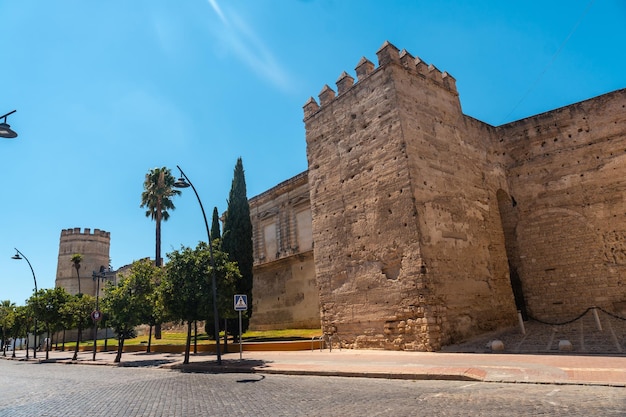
(215, 225)
(237, 235)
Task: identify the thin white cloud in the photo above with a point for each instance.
(217, 10)
(248, 47)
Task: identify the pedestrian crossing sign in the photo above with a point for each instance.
(241, 302)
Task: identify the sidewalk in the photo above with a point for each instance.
(487, 367)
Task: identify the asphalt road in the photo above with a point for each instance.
(46, 389)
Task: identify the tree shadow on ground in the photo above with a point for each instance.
(227, 366)
(148, 363)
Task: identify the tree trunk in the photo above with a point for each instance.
(106, 339)
(47, 340)
(63, 343)
(149, 340)
(195, 337)
(14, 340)
(225, 335)
(157, 258)
(35, 344)
(80, 331)
(120, 349)
(187, 343)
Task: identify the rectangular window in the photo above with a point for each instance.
(269, 236)
(305, 232)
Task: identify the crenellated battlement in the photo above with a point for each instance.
(344, 82)
(364, 68)
(388, 54)
(77, 231)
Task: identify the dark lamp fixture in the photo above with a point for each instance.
(181, 183)
(18, 256)
(5, 128)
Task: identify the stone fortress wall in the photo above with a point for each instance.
(566, 232)
(284, 292)
(431, 226)
(94, 247)
(417, 226)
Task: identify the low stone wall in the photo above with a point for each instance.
(232, 347)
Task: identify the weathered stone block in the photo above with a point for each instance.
(565, 346)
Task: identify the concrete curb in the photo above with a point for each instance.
(529, 369)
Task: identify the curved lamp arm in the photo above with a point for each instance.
(184, 183)
(20, 255)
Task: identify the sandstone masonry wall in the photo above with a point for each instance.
(284, 292)
(567, 175)
(454, 183)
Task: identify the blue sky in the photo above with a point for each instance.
(107, 90)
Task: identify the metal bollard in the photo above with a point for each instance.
(595, 315)
(521, 321)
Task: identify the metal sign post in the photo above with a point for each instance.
(241, 304)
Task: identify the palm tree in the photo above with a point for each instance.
(156, 198)
(76, 259)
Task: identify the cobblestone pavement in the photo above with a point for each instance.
(46, 389)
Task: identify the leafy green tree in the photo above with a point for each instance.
(157, 199)
(79, 308)
(22, 321)
(76, 259)
(226, 292)
(130, 302)
(155, 314)
(187, 286)
(46, 305)
(6, 321)
(237, 236)
(215, 225)
(104, 324)
(146, 276)
(66, 322)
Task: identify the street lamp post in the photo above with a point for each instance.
(5, 129)
(18, 256)
(184, 182)
(96, 315)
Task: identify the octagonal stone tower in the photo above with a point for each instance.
(94, 247)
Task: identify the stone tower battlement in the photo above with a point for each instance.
(77, 231)
(388, 54)
(93, 246)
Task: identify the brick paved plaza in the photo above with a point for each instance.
(47, 389)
